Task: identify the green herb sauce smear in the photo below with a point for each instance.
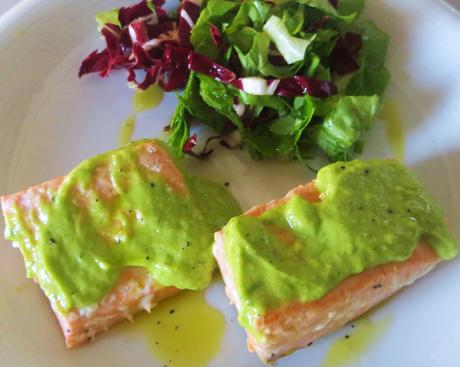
(133, 206)
(370, 213)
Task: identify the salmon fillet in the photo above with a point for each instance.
(136, 289)
(296, 325)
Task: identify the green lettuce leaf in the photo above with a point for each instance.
(291, 48)
(256, 62)
(372, 77)
(197, 108)
(219, 96)
(349, 7)
(179, 129)
(105, 17)
(323, 5)
(345, 122)
(279, 138)
(216, 12)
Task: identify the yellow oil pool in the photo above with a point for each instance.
(364, 334)
(184, 331)
(127, 130)
(391, 117)
(142, 101)
(147, 99)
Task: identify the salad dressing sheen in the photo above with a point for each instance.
(143, 100)
(391, 117)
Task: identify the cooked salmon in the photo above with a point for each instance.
(136, 289)
(296, 325)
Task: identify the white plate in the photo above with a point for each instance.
(50, 120)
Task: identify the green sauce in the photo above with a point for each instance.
(77, 251)
(370, 213)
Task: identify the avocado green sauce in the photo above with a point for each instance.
(77, 251)
(370, 213)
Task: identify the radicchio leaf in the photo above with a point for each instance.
(188, 14)
(128, 14)
(334, 3)
(96, 62)
(201, 64)
(216, 36)
(149, 45)
(175, 67)
(190, 144)
(345, 52)
(299, 85)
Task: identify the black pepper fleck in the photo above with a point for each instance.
(176, 328)
(158, 322)
(310, 344)
(343, 167)
(227, 184)
(390, 211)
(147, 258)
(52, 241)
(97, 200)
(409, 211)
(172, 311)
(352, 326)
(366, 171)
(152, 184)
(156, 343)
(347, 336)
(377, 286)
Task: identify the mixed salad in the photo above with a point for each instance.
(280, 77)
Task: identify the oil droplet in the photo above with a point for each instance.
(183, 331)
(348, 348)
(127, 130)
(144, 100)
(22, 287)
(391, 116)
